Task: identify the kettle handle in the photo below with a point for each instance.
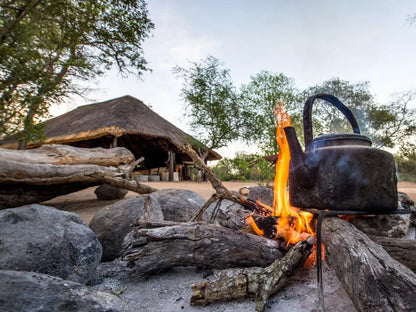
(307, 115)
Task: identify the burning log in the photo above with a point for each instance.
(373, 279)
(25, 179)
(151, 248)
(255, 282)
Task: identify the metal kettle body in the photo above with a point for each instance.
(339, 171)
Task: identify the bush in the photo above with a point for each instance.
(406, 169)
(244, 167)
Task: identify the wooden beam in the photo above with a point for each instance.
(171, 165)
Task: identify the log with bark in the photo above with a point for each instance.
(56, 154)
(372, 278)
(151, 248)
(255, 282)
(25, 179)
(401, 249)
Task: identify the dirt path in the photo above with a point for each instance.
(86, 204)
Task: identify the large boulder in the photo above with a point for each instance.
(29, 291)
(112, 223)
(46, 240)
(179, 205)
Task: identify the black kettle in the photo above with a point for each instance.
(339, 171)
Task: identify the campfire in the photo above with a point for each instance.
(259, 265)
(292, 224)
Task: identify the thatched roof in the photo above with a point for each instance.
(136, 126)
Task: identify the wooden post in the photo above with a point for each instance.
(114, 144)
(171, 164)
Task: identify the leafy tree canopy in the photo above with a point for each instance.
(258, 103)
(47, 45)
(387, 125)
(220, 114)
(211, 102)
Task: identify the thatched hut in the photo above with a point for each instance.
(126, 122)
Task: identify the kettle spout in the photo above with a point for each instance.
(298, 171)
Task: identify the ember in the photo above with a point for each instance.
(291, 222)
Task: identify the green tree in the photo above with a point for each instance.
(47, 46)
(260, 97)
(394, 123)
(211, 102)
(387, 125)
(244, 167)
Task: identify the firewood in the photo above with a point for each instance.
(221, 192)
(152, 250)
(255, 282)
(56, 154)
(401, 249)
(25, 180)
(371, 277)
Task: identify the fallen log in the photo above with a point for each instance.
(371, 277)
(231, 284)
(24, 181)
(56, 154)
(155, 249)
(401, 249)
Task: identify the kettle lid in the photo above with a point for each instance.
(337, 139)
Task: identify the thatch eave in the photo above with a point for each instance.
(118, 118)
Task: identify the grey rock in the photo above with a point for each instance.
(30, 291)
(46, 240)
(108, 192)
(262, 194)
(383, 225)
(112, 223)
(227, 213)
(179, 205)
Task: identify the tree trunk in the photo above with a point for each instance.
(373, 279)
(195, 244)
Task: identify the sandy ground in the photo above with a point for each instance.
(86, 204)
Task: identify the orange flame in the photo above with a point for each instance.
(291, 221)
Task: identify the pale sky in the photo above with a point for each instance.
(309, 41)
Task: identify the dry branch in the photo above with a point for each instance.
(371, 277)
(221, 192)
(255, 282)
(149, 250)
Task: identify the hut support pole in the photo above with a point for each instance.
(171, 164)
(114, 144)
